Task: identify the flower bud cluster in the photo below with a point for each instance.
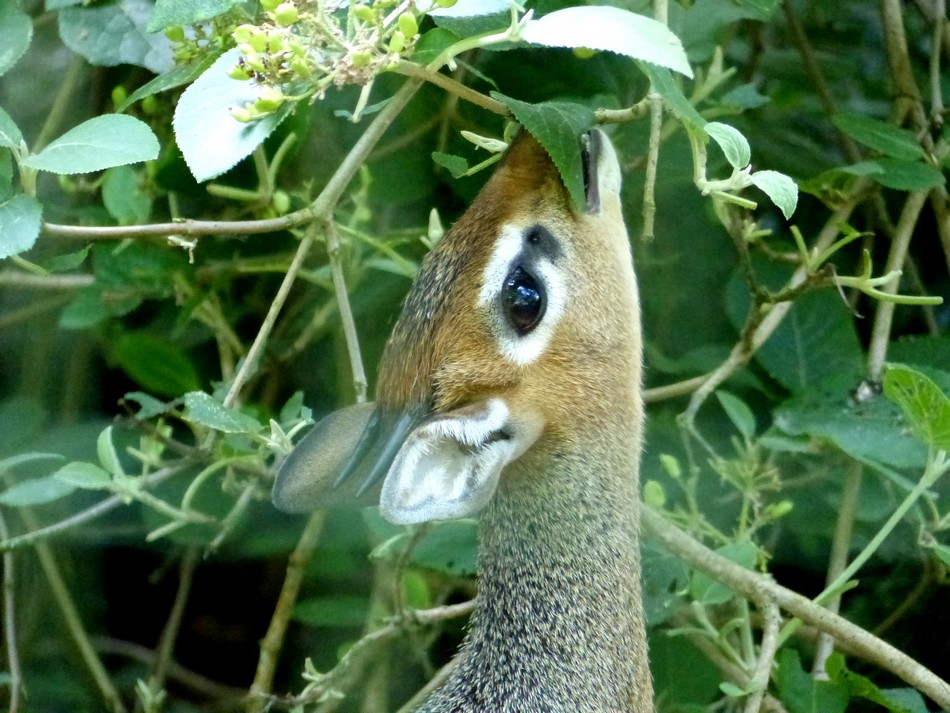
(300, 48)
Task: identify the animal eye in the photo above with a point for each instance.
(522, 300)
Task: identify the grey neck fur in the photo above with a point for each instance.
(559, 620)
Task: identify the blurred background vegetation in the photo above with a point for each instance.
(143, 560)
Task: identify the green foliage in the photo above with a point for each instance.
(202, 202)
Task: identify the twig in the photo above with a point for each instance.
(274, 638)
(838, 560)
(16, 278)
(818, 78)
(346, 313)
(884, 315)
(411, 69)
(91, 513)
(755, 586)
(936, 47)
(745, 349)
(73, 620)
(9, 622)
(423, 693)
(166, 645)
(661, 15)
(907, 101)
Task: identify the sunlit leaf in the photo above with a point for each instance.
(610, 29)
(115, 33)
(96, 144)
(205, 410)
(210, 138)
(20, 219)
(733, 144)
(16, 32)
(169, 13)
(926, 407)
(780, 189)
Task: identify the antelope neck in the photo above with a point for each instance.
(558, 624)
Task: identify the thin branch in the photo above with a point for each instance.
(91, 513)
(411, 69)
(360, 382)
(907, 100)
(936, 47)
(772, 619)
(884, 316)
(273, 640)
(166, 645)
(756, 586)
(9, 622)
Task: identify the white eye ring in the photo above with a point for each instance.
(526, 348)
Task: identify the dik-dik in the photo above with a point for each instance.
(510, 389)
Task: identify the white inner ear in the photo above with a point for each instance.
(449, 467)
(525, 349)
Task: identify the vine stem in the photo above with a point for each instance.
(757, 586)
(346, 313)
(772, 618)
(937, 466)
(884, 315)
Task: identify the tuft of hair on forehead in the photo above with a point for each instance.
(433, 315)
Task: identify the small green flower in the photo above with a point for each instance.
(286, 14)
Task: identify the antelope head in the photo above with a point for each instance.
(520, 336)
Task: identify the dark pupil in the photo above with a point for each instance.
(522, 299)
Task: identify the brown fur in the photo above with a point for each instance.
(559, 626)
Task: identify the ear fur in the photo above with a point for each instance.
(449, 466)
(305, 480)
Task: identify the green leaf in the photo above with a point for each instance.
(203, 409)
(870, 431)
(20, 219)
(67, 262)
(169, 13)
(16, 32)
(663, 83)
(177, 77)
(745, 96)
(456, 165)
(738, 412)
(926, 407)
(801, 693)
(211, 140)
(450, 547)
(472, 8)
(149, 406)
(610, 29)
(557, 126)
(943, 554)
(108, 456)
(157, 364)
(10, 136)
(36, 491)
(115, 33)
(780, 189)
(124, 196)
(342, 610)
(816, 339)
(861, 686)
(707, 590)
(898, 174)
(733, 144)
(879, 135)
(6, 175)
(8, 464)
(431, 44)
(664, 579)
(87, 476)
(96, 144)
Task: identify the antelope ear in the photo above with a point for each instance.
(307, 479)
(449, 466)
